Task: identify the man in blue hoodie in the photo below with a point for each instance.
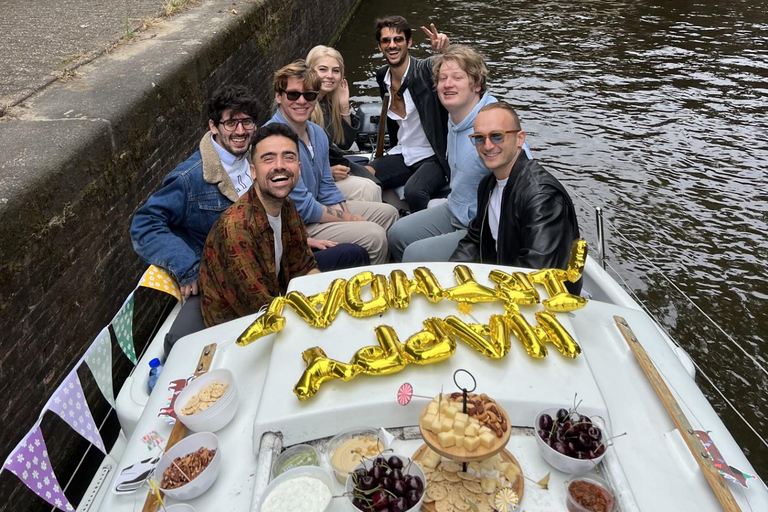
(433, 234)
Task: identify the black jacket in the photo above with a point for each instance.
(433, 116)
(537, 225)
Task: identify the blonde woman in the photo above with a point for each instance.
(333, 112)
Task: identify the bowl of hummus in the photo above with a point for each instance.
(305, 489)
(347, 449)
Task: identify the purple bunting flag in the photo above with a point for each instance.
(30, 463)
(69, 402)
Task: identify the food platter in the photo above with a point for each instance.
(462, 454)
(457, 492)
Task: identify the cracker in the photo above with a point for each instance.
(466, 476)
(473, 485)
(437, 492)
(452, 477)
(450, 466)
(444, 506)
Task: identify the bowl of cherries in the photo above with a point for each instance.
(569, 441)
(386, 484)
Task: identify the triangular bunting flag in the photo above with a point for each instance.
(159, 279)
(69, 402)
(123, 326)
(30, 462)
(99, 360)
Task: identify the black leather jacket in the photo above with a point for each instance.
(537, 225)
(433, 116)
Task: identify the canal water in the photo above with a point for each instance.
(656, 111)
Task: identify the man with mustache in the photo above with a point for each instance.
(259, 243)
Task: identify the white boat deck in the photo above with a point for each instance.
(650, 466)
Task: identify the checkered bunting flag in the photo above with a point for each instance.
(158, 278)
(99, 361)
(69, 402)
(30, 463)
(123, 326)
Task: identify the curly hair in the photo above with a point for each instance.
(237, 98)
(396, 23)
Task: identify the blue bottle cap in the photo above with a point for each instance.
(154, 363)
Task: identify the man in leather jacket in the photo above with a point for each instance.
(416, 120)
(525, 218)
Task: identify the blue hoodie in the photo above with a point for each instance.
(467, 169)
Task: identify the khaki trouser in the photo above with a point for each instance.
(355, 188)
(371, 233)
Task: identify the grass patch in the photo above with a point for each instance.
(69, 59)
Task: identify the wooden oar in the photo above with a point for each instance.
(694, 444)
(179, 430)
(382, 127)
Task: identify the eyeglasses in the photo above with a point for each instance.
(231, 124)
(396, 39)
(478, 139)
(294, 95)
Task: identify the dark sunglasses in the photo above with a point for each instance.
(231, 124)
(294, 95)
(478, 139)
(396, 39)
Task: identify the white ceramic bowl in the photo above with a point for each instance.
(180, 507)
(204, 480)
(560, 461)
(220, 413)
(409, 468)
(303, 471)
(344, 436)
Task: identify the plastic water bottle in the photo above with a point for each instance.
(155, 367)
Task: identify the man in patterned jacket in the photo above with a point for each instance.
(259, 243)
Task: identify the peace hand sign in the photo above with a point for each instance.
(438, 40)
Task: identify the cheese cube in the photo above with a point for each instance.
(471, 443)
(435, 425)
(487, 439)
(484, 429)
(459, 441)
(446, 439)
(458, 427)
(426, 422)
(451, 411)
(471, 430)
(460, 416)
(444, 405)
(474, 420)
(446, 425)
(431, 458)
(432, 408)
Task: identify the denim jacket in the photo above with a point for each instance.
(170, 229)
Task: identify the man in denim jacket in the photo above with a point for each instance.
(170, 229)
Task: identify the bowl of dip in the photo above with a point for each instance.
(294, 457)
(589, 493)
(306, 488)
(348, 448)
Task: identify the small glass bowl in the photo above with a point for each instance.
(341, 471)
(596, 485)
(294, 457)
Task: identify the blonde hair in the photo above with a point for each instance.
(314, 55)
(471, 62)
(297, 69)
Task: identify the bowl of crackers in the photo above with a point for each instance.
(209, 402)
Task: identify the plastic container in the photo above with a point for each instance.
(563, 462)
(219, 414)
(409, 468)
(294, 457)
(180, 507)
(204, 480)
(155, 367)
(342, 470)
(594, 486)
(303, 471)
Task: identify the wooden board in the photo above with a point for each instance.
(518, 486)
(461, 454)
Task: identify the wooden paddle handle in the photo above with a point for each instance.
(179, 430)
(716, 481)
(382, 127)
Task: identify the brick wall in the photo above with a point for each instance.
(75, 163)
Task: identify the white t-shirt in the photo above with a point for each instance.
(239, 169)
(494, 208)
(417, 146)
(276, 223)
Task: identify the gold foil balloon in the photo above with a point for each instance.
(559, 301)
(384, 358)
(400, 289)
(516, 288)
(353, 302)
(557, 335)
(431, 345)
(320, 369)
(479, 336)
(524, 332)
(577, 260)
(319, 310)
(333, 302)
(468, 289)
(270, 322)
(428, 284)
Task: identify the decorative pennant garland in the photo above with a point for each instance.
(69, 403)
(30, 463)
(157, 278)
(99, 361)
(123, 326)
(726, 470)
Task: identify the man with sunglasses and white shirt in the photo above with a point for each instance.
(322, 206)
(525, 217)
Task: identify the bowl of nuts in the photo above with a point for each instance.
(190, 467)
(209, 402)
